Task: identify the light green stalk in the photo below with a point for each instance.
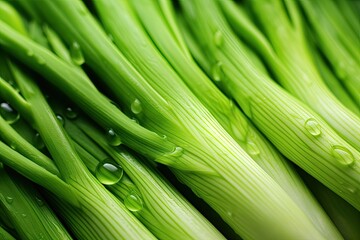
(165, 212)
(338, 42)
(26, 210)
(212, 163)
(333, 83)
(5, 235)
(299, 133)
(290, 59)
(159, 22)
(103, 214)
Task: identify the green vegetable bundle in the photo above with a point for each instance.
(112, 110)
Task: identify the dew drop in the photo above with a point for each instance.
(136, 106)
(8, 113)
(217, 72)
(135, 120)
(76, 54)
(352, 189)
(133, 202)
(252, 149)
(178, 151)
(60, 119)
(24, 215)
(113, 138)
(108, 172)
(40, 60)
(38, 142)
(218, 38)
(341, 70)
(39, 202)
(9, 200)
(171, 157)
(343, 155)
(70, 113)
(29, 53)
(313, 127)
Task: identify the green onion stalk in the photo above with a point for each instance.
(298, 132)
(142, 189)
(204, 157)
(106, 217)
(26, 210)
(159, 22)
(286, 51)
(337, 40)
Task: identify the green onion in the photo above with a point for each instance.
(27, 210)
(299, 133)
(338, 42)
(225, 184)
(288, 55)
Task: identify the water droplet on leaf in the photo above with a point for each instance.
(218, 38)
(108, 172)
(9, 200)
(60, 119)
(343, 155)
(313, 127)
(113, 138)
(38, 142)
(8, 113)
(70, 113)
(76, 54)
(252, 149)
(217, 72)
(133, 202)
(136, 106)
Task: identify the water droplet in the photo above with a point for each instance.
(218, 38)
(352, 189)
(13, 145)
(229, 214)
(313, 127)
(136, 107)
(252, 149)
(38, 142)
(60, 119)
(171, 157)
(341, 70)
(113, 138)
(40, 60)
(8, 113)
(70, 113)
(135, 120)
(40, 202)
(9, 200)
(164, 137)
(178, 151)
(76, 54)
(343, 155)
(108, 172)
(217, 72)
(133, 202)
(24, 215)
(30, 53)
